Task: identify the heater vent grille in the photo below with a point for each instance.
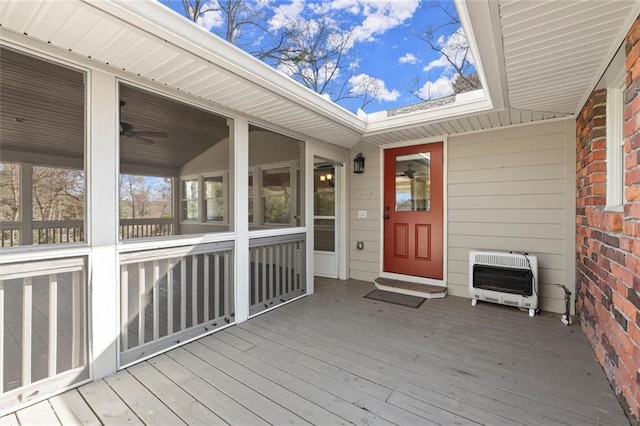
(507, 260)
(504, 277)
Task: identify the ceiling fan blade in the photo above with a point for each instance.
(149, 134)
(144, 139)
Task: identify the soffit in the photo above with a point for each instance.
(555, 51)
(459, 125)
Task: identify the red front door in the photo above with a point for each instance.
(413, 210)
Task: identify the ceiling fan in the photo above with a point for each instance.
(127, 130)
(410, 173)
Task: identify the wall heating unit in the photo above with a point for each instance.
(507, 278)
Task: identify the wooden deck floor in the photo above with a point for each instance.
(338, 358)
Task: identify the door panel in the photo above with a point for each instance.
(413, 210)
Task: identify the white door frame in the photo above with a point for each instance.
(445, 219)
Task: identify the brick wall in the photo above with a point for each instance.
(608, 243)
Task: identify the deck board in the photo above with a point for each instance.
(337, 358)
(522, 369)
(184, 405)
(439, 369)
(71, 409)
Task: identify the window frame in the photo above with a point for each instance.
(615, 198)
(199, 193)
(258, 202)
(225, 196)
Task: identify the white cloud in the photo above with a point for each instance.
(442, 87)
(408, 58)
(455, 47)
(379, 15)
(284, 14)
(362, 84)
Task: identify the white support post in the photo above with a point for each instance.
(263, 262)
(156, 300)
(53, 324)
(307, 179)
(228, 284)
(239, 133)
(194, 290)
(2, 308)
(183, 293)
(170, 296)
(27, 325)
(142, 278)
(124, 308)
(102, 214)
(216, 285)
(206, 288)
(77, 320)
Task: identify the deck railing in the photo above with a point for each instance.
(72, 231)
(58, 232)
(9, 234)
(144, 228)
(43, 337)
(169, 296)
(277, 266)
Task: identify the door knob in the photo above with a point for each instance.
(386, 217)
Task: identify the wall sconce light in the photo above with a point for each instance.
(358, 164)
(328, 178)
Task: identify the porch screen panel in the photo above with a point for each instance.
(42, 160)
(175, 159)
(43, 338)
(169, 296)
(277, 270)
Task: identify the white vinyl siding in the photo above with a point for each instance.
(509, 190)
(512, 190)
(364, 194)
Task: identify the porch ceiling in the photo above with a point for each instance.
(556, 51)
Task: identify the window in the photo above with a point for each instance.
(413, 182)
(276, 196)
(190, 199)
(146, 206)
(214, 198)
(614, 80)
(615, 147)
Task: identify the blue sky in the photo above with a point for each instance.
(383, 47)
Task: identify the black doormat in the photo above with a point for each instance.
(396, 298)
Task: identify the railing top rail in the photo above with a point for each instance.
(145, 221)
(262, 241)
(167, 253)
(44, 224)
(52, 266)
(8, 226)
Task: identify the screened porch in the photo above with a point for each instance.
(136, 227)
